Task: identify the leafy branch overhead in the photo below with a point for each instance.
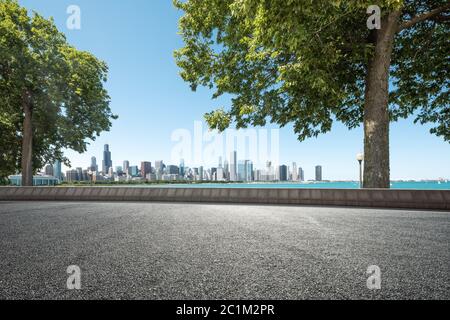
(306, 62)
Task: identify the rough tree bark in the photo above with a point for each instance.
(376, 112)
(27, 141)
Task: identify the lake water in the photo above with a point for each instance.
(417, 185)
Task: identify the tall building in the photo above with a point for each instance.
(72, 175)
(173, 170)
(233, 166)
(94, 166)
(283, 170)
(126, 166)
(318, 173)
(241, 171)
(57, 170)
(159, 167)
(213, 175)
(226, 170)
(201, 173)
(133, 171)
(49, 171)
(107, 162)
(220, 174)
(182, 168)
(146, 168)
(80, 174)
(294, 172)
(301, 174)
(245, 171)
(248, 171)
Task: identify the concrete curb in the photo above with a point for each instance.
(380, 198)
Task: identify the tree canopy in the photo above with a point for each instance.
(306, 62)
(60, 86)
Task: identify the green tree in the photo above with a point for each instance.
(314, 62)
(52, 96)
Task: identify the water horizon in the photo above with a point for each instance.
(398, 185)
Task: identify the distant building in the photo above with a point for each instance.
(57, 170)
(182, 168)
(159, 168)
(16, 180)
(213, 175)
(79, 174)
(226, 170)
(301, 174)
(233, 166)
(126, 166)
(94, 166)
(283, 172)
(220, 174)
(173, 170)
(248, 171)
(133, 171)
(49, 170)
(146, 168)
(201, 173)
(318, 173)
(107, 162)
(72, 175)
(294, 172)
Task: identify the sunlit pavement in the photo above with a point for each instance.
(193, 251)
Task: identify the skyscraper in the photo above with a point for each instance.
(57, 171)
(283, 173)
(49, 171)
(171, 169)
(72, 175)
(126, 166)
(133, 171)
(226, 170)
(107, 162)
(294, 172)
(159, 167)
(241, 171)
(94, 166)
(233, 166)
(79, 174)
(301, 174)
(248, 171)
(318, 173)
(146, 168)
(182, 171)
(200, 173)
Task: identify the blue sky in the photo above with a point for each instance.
(137, 39)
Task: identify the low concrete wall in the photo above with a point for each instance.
(417, 199)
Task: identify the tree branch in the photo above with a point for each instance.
(423, 17)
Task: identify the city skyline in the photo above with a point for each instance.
(152, 100)
(233, 169)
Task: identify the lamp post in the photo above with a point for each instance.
(360, 158)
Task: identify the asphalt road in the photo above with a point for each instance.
(193, 251)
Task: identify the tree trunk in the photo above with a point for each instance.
(27, 142)
(376, 112)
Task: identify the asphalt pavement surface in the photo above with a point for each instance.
(201, 251)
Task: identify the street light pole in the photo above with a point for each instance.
(360, 158)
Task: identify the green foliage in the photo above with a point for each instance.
(305, 62)
(65, 86)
